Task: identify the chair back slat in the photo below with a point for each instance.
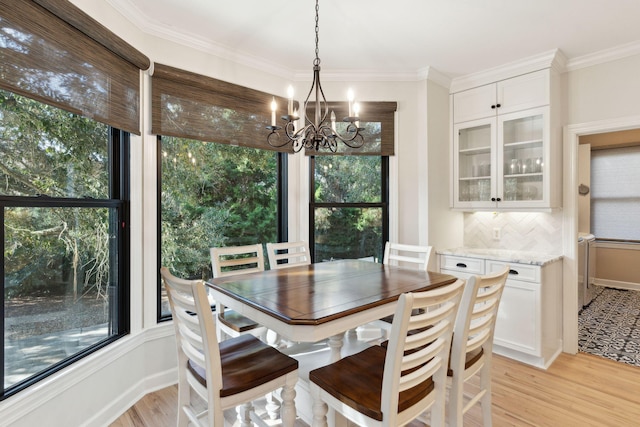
(401, 254)
(288, 254)
(418, 349)
(233, 260)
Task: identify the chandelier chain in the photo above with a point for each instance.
(317, 60)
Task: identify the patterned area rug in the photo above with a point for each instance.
(610, 326)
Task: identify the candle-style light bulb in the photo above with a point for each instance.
(274, 107)
(290, 103)
(350, 97)
(356, 111)
(333, 121)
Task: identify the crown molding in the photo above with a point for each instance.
(160, 30)
(554, 59)
(607, 55)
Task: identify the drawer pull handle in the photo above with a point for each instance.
(513, 272)
(461, 265)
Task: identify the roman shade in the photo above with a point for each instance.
(378, 119)
(53, 52)
(190, 105)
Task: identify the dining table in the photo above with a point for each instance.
(311, 303)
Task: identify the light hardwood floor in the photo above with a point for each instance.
(581, 390)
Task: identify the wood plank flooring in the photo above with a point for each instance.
(582, 390)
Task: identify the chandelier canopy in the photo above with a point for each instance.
(316, 134)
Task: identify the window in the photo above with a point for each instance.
(221, 183)
(214, 195)
(63, 203)
(69, 96)
(615, 193)
(349, 208)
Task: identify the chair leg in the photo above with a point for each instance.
(272, 406)
(184, 399)
(439, 405)
(456, 402)
(320, 410)
(244, 414)
(485, 401)
(288, 410)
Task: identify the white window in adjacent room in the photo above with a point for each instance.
(615, 193)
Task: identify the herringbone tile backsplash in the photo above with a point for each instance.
(520, 231)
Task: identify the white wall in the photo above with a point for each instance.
(605, 91)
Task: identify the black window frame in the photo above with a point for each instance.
(282, 220)
(119, 181)
(383, 204)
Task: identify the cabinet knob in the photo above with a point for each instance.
(498, 105)
(493, 107)
(493, 199)
(461, 265)
(498, 199)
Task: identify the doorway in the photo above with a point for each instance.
(572, 136)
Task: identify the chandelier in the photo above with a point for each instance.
(316, 134)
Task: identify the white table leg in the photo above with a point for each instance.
(335, 343)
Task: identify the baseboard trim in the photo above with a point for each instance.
(618, 284)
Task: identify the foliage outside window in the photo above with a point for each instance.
(349, 208)
(62, 201)
(213, 195)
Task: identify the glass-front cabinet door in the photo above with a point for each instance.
(475, 166)
(499, 162)
(522, 140)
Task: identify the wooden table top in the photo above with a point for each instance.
(318, 293)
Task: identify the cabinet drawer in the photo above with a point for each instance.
(524, 272)
(462, 264)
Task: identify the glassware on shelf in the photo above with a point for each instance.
(513, 167)
(511, 189)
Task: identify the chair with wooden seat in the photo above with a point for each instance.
(391, 386)
(229, 374)
(288, 254)
(407, 255)
(232, 261)
(472, 346)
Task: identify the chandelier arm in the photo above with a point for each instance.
(318, 133)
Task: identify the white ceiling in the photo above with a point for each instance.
(393, 37)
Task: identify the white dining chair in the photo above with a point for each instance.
(229, 374)
(407, 255)
(472, 346)
(411, 256)
(394, 385)
(232, 261)
(288, 254)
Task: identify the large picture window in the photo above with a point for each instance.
(349, 196)
(213, 195)
(221, 184)
(349, 208)
(63, 202)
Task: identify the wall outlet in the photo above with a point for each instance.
(496, 233)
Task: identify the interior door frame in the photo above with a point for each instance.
(571, 135)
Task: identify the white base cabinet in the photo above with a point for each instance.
(529, 323)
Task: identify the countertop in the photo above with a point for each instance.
(506, 255)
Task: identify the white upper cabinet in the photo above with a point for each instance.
(507, 96)
(506, 146)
